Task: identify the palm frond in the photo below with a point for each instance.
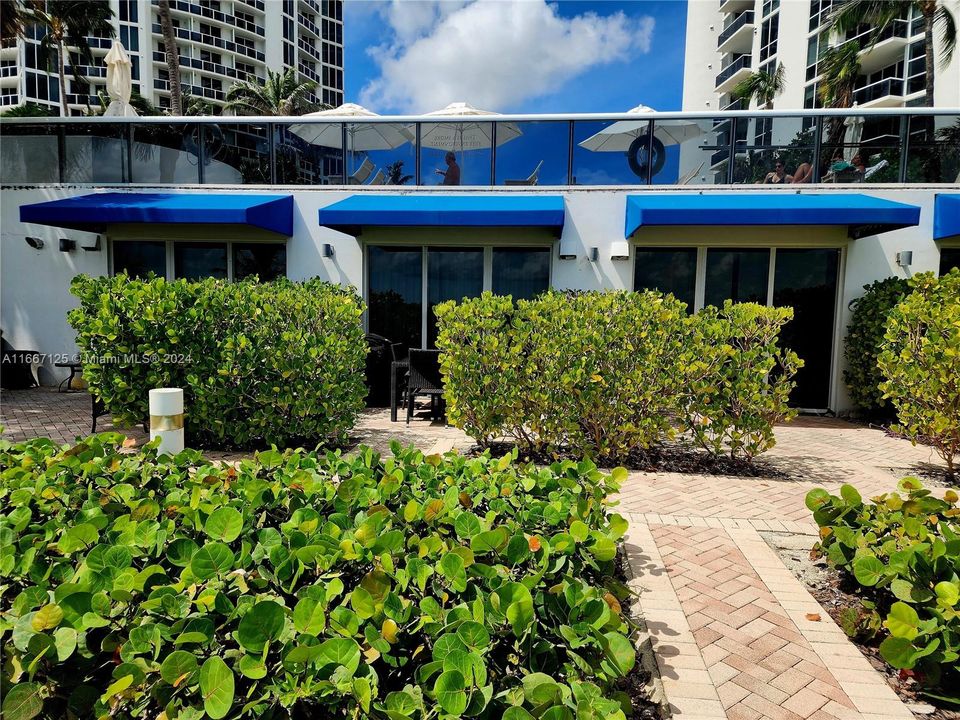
(947, 27)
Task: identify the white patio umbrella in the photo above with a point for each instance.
(455, 131)
(620, 135)
(119, 83)
(853, 131)
(361, 136)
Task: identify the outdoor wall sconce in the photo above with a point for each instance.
(905, 258)
(594, 254)
(67, 245)
(620, 250)
(93, 248)
(35, 243)
(327, 250)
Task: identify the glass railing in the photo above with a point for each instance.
(741, 62)
(891, 145)
(744, 18)
(890, 87)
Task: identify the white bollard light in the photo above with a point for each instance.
(166, 419)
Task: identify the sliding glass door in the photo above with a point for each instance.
(406, 283)
(806, 280)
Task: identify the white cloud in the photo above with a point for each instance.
(491, 53)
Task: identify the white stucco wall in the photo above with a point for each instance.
(34, 284)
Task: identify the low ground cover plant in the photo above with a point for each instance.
(298, 584)
(865, 335)
(606, 374)
(903, 549)
(920, 362)
(260, 363)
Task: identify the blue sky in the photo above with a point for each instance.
(523, 56)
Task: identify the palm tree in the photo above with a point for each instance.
(395, 174)
(172, 57)
(13, 20)
(879, 14)
(67, 24)
(839, 68)
(762, 87)
(280, 94)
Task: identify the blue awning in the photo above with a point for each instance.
(95, 212)
(863, 214)
(946, 216)
(528, 210)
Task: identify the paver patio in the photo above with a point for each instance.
(734, 633)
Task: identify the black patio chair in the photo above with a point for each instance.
(424, 379)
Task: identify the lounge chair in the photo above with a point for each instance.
(362, 173)
(533, 179)
(874, 169)
(378, 179)
(685, 179)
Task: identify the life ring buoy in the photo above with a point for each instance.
(637, 156)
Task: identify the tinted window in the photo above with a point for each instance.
(949, 259)
(738, 275)
(194, 261)
(521, 272)
(669, 270)
(395, 293)
(138, 258)
(452, 274)
(266, 261)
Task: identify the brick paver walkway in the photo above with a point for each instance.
(734, 633)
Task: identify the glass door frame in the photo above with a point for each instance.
(486, 245)
(730, 244)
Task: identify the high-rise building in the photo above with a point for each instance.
(219, 41)
(727, 40)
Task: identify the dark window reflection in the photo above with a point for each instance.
(806, 280)
(521, 272)
(452, 274)
(669, 270)
(139, 258)
(266, 261)
(194, 261)
(738, 275)
(949, 259)
(395, 293)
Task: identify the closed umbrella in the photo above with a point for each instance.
(361, 136)
(619, 136)
(119, 83)
(456, 129)
(853, 131)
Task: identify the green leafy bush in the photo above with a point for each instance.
(299, 585)
(905, 548)
(864, 338)
(738, 379)
(589, 373)
(606, 374)
(920, 361)
(260, 363)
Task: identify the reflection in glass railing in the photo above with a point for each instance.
(636, 148)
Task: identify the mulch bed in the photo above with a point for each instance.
(839, 594)
(671, 458)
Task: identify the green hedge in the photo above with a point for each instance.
(299, 585)
(920, 361)
(904, 548)
(260, 363)
(606, 374)
(864, 338)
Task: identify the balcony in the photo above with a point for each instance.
(733, 73)
(885, 93)
(889, 48)
(729, 6)
(516, 151)
(737, 35)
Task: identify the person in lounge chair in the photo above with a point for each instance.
(803, 173)
(778, 176)
(451, 176)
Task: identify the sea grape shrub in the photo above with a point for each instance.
(606, 374)
(903, 548)
(920, 362)
(739, 380)
(298, 584)
(260, 363)
(865, 336)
